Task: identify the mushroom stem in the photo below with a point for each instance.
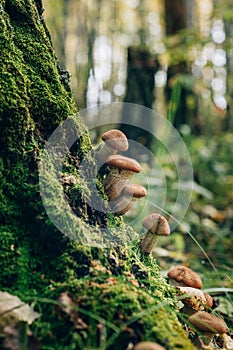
(148, 242)
(156, 225)
(103, 152)
(115, 181)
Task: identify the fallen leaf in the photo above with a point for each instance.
(13, 310)
(69, 307)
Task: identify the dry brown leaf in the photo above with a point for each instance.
(70, 308)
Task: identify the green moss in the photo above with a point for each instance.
(8, 257)
(127, 313)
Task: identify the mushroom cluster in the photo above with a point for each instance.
(188, 285)
(121, 193)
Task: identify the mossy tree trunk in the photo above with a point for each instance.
(121, 296)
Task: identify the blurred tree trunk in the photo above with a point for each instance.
(141, 69)
(175, 16)
(228, 125)
(115, 289)
(183, 104)
(57, 14)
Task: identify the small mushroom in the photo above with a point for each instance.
(208, 324)
(156, 225)
(148, 345)
(114, 140)
(194, 299)
(127, 198)
(184, 277)
(121, 169)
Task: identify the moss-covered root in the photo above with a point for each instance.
(119, 299)
(109, 313)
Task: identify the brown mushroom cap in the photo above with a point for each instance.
(116, 139)
(148, 345)
(186, 276)
(120, 162)
(209, 300)
(134, 190)
(156, 223)
(206, 322)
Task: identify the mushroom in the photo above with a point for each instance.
(208, 324)
(148, 345)
(114, 140)
(184, 277)
(209, 300)
(193, 299)
(156, 225)
(127, 198)
(121, 169)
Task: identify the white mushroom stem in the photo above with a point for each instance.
(207, 338)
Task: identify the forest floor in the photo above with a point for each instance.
(203, 241)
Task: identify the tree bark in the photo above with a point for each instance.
(183, 102)
(142, 66)
(119, 295)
